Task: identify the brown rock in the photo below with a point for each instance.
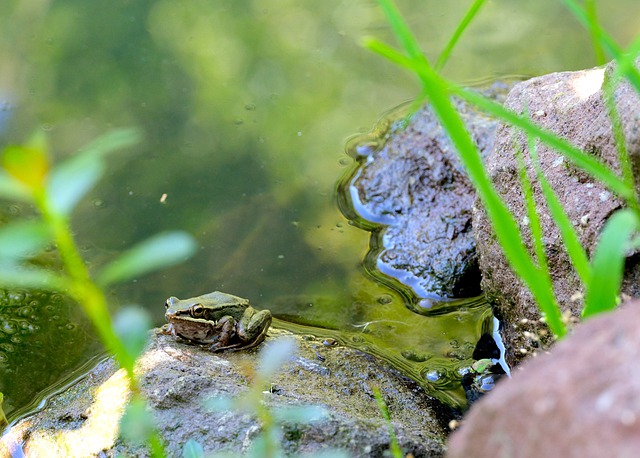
(570, 104)
(581, 400)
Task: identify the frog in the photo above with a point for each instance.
(217, 320)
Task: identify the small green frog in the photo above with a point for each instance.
(217, 319)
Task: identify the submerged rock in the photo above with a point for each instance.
(581, 399)
(416, 187)
(570, 104)
(177, 379)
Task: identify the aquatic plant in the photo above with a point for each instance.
(27, 175)
(267, 443)
(602, 276)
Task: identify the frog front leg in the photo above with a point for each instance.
(225, 331)
(253, 326)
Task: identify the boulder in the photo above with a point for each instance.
(580, 400)
(415, 187)
(177, 378)
(570, 104)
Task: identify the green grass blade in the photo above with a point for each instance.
(466, 20)
(607, 43)
(532, 214)
(401, 30)
(627, 66)
(506, 228)
(396, 451)
(388, 52)
(625, 58)
(569, 235)
(586, 162)
(503, 222)
(592, 17)
(619, 139)
(608, 263)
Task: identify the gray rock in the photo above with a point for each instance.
(176, 379)
(571, 105)
(580, 400)
(416, 187)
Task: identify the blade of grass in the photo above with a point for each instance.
(466, 20)
(608, 263)
(590, 23)
(586, 162)
(394, 447)
(625, 58)
(592, 16)
(627, 64)
(532, 215)
(609, 87)
(569, 236)
(388, 53)
(401, 30)
(503, 223)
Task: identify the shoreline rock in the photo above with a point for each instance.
(176, 378)
(570, 104)
(416, 188)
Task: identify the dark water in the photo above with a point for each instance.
(246, 108)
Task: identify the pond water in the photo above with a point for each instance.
(246, 107)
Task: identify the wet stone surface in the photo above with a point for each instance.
(415, 187)
(177, 379)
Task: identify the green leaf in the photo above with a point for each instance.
(192, 449)
(159, 251)
(28, 165)
(18, 276)
(220, 403)
(273, 355)
(607, 266)
(111, 141)
(71, 180)
(131, 325)
(12, 189)
(137, 424)
(299, 414)
(22, 239)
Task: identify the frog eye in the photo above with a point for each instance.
(197, 311)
